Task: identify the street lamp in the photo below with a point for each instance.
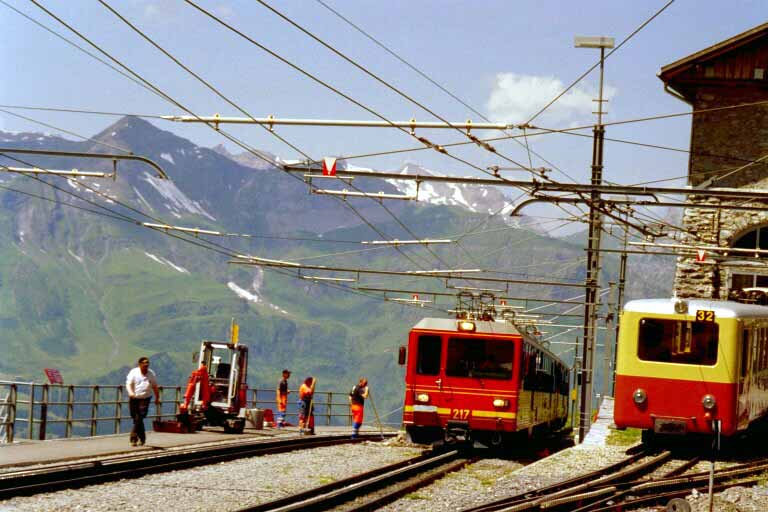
(593, 244)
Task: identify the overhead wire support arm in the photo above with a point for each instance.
(407, 242)
(438, 274)
(108, 156)
(549, 186)
(74, 173)
(371, 195)
(273, 121)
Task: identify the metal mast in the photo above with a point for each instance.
(593, 245)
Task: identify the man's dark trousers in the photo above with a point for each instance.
(138, 407)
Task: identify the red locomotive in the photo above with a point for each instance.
(691, 366)
(481, 380)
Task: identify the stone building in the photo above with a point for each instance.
(727, 87)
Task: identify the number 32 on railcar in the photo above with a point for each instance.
(480, 380)
(687, 366)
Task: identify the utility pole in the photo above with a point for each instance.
(593, 245)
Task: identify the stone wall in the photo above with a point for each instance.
(723, 142)
(722, 228)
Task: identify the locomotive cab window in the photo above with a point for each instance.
(480, 358)
(428, 355)
(678, 341)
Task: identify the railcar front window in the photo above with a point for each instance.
(480, 358)
(678, 341)
(428, 355)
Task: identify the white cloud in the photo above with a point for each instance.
(515, 98)
(160, 10)
(224, 11)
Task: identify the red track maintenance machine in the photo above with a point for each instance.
(216, 391)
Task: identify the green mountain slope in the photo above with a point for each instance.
(88, 294)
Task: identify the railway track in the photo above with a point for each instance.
(372, 489)
(660, 491)
(627, 485)
(588, 483)
(54, 477)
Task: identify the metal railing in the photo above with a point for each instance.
(31, 410)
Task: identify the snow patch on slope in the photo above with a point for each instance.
(178, 200)
(164, 261)
(253, 296)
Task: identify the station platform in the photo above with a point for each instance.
(30, 453)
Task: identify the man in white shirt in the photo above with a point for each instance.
(140, 383)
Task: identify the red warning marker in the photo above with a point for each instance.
(415, 297)
(329, 166)
(503, 302)
(701, 255)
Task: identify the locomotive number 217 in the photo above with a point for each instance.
(459, 414)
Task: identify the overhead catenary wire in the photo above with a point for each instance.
(78, 47)
(179, 105)
(602, 59)
(232, 103)
(328, 86)
(68, 132)
(200, 242)
(435, 83)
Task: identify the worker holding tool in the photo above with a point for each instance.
(281, 397)
(357, 405)
(307, 407)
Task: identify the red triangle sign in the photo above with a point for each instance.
(415, 297)
(329, 166)
(701, 255)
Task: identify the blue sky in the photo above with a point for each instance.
(504, 58)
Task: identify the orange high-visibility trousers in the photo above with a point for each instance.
(357, 413)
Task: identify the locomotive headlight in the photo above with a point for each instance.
(466, 326)
(639, 396)
(708, 402)
(500, 402)
(422, 397)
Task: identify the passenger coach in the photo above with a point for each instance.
(682, 365)
(481, 380)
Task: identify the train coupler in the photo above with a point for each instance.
(457, 432)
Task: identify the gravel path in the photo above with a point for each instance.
(233, 485)
(224, 486)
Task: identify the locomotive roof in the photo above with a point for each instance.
(722, 308)
(481, 326)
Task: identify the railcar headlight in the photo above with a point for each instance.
(708, 402)
(466, 326)
(500, 402)
(422, 397)
(639, 396)
(681, 306)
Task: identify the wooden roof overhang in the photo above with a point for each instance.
(684, 76)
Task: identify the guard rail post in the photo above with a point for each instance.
(159, 405)
(118, 408)
(9, 429)
(70, 411)
(31, 411)
(94, 411)
(43, 414)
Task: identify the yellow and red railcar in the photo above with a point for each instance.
(682, 365)
(480, 380)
